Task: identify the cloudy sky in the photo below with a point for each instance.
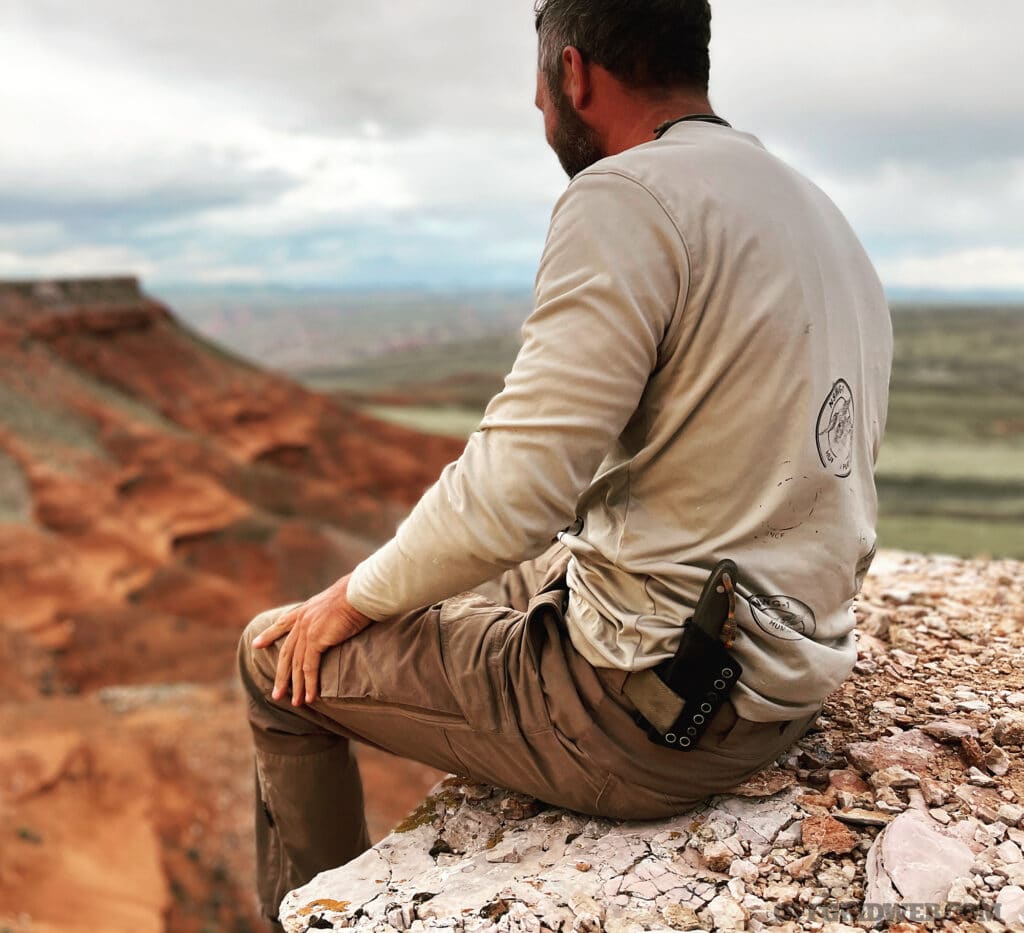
(343, 144)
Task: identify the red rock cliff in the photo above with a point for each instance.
(155, 493)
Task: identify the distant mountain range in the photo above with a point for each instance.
(307, 329)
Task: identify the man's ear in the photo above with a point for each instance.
(576, 77)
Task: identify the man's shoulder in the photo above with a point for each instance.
(698, 171)
(689, 160)
(690, 145)
(612, 193)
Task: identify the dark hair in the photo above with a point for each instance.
(651, 45)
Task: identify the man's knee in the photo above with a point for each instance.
(257, 666)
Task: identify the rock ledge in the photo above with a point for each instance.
(903, 809)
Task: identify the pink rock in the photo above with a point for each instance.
(912, 750)
(845, 779)
(915, 862)
(946, 730)
(935, 794)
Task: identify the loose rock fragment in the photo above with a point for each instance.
(1010, 813)
(949, 731)
(765, 783)
(727, 914)
(911, 860)
(828, 835)
(912, 750)
(935, 794)
(894, 776)
(1010, 729)
(520, 807)
(862, 817)
(1010, 904)
(844, 779)
(680, 917)
(804, 867)
(979, 778)
(718, 856)
(972, 751)
(997, 761)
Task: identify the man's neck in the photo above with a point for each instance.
(639, 117)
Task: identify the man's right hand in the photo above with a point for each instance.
(323, 621)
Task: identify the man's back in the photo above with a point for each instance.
(704, 375)
(756, 435)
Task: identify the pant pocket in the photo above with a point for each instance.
(749, 741)
(621, 800)
(395, 663)
(492, 658)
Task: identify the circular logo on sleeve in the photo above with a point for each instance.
(783, 616)
(835, 430)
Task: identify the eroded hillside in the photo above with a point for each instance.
(155, 493)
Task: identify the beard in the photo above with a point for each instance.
(574, 142)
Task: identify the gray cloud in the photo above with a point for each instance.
(330, 66)
(320, 138)
(85, 210)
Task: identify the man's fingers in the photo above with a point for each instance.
(284, 666)
(281, 626)
(311, 669)
(298, 680)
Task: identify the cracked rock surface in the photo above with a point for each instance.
(903, 809)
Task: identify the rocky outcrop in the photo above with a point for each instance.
(74, 293)
(156, 490)
(904, 808)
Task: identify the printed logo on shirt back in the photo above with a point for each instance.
(783, 616)
(835, 428)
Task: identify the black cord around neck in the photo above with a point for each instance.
(697, 117)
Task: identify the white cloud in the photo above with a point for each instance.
(875, 79)
(77, 260)
(986, 267)
(977, 200)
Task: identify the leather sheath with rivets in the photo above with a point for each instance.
(677, 699)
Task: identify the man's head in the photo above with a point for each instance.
(602, 63)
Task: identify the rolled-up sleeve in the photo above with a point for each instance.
(612, 275)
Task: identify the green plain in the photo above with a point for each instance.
(951, 469)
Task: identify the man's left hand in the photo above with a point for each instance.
(321, 622)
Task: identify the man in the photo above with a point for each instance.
(704, 376)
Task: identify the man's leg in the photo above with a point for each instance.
(455, 685)
(309, 796)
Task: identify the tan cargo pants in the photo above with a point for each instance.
(485, 684)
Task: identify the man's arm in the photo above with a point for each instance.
(613, 272)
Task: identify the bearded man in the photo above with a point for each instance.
(634, 588)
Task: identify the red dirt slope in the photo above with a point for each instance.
(155, 493)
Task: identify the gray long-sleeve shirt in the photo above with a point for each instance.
(704, 375)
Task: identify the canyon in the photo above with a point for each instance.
(156, 492)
